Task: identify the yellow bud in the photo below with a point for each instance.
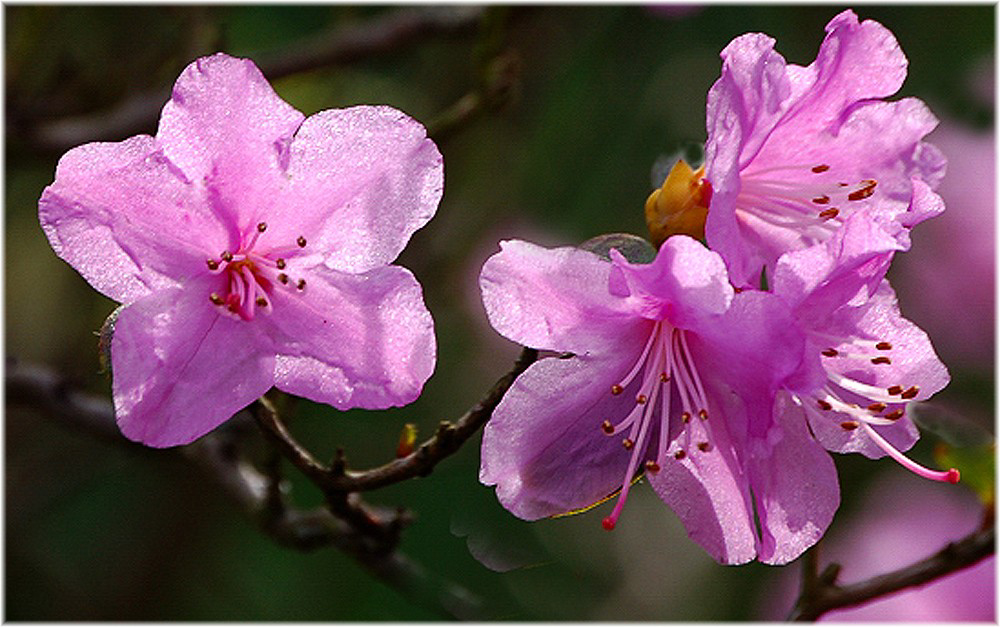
(680, 205)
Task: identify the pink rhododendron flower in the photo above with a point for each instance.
(792, 151)
(672, 373)
(251, 249)
(866, 362)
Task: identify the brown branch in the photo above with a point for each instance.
(826, 595)
(380, 35)
(448, 438)
(259, 495)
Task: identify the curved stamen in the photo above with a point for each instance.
(951, 475)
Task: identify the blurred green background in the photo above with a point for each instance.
(592, 97)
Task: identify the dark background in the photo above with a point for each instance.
(591, 97)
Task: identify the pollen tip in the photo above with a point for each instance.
(301, 284)
(894, 390)
(628, 444)
(819, 169)
(910, 392)
(301, 241)
(213, 264)
(641, 399)
(607, 427)
(882, 359)
(884, 346)
(686, 417)
(617, 389)
(280, 263)
(608, 523)
(704, 447)
(830, 352)
(679, 455)
(652, 466)
(703, 414)
(261, 227)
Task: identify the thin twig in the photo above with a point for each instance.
(827, 595)
(380, 35)
(448, 438)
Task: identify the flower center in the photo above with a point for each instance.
(860, 405)
(806, 199)
(680, 205)
(251, 276)
(666, 358)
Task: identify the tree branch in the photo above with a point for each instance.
(380, 35)
(826, 595)
(448, 438)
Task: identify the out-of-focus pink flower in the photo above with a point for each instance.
(901, 521)
(251, 248)
(792, 151)
(671, 373)
(947, 281)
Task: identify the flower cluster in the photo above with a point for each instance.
(250, 247)
(724, 374)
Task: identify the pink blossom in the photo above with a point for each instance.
(665, 370)
(792, 151)
(251, 247)
(865, 362)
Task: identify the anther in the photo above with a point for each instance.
(663, 377)
(301, 241)
(652, 466)
(910, 392)
(829, 214)
(821, 200)
(881, 359)
(819, 169)
(686, 417)
(877, 407)
(215, 298)
(850, 425)
(704, 447)
(894, 415)
(283, 278)
(301, 284)
(616, 389)
(280, 263)
(261, 301)
(894, 390)
(261, 227)
(680, 455)
(226, 256)
(641, 399)
(884, 346)
(628, 444)
(703, 414)
(823, 404)
(864, 192)
(213, 264)
(830, 352)
(607, 427)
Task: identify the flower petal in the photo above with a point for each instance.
(685, 282)
(223, 111)
(126, 218)
(361, 181)
(544, 448)
(795, 488)
(181, 369)
(353, 340)
(553, 299)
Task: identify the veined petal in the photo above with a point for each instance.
(223, 111)
(181, 369)
(686, 278)
(349, 340)
(553, 299)
(795, 488)
(361, 181)
(544, 448)
(126, 218)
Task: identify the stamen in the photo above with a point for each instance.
(703, 414)
(261, 301)
(283, 278)
(951, 475)
(704, 447)
(823, 404)
(884, 346)
(910, 392)
(616, 389)
(821, 200)
(877, 407)
(628, 444)
(301, 241)
(679, 455)
(301, 284)
(850, 425)
(881, 359)
(226, 256)
(818, 169)
(652, 466)
(641, 399)
(280, 263)
(607, 427)
(895, 390)
(864, 192)
(213, 264)
(686, 417)
(215, 298)
(830, 352)
(895, 414)
(829, 214)
(261, 227)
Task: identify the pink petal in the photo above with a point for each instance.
(127, 219)
(544, 448)
(181, 369)
(361, 181)
(795, 488)
(554, 299)
(353, 340)
(223, 111)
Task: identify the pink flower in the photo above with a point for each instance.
(866, 363)
(251, 249)
(670, 372)
(792, 151)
